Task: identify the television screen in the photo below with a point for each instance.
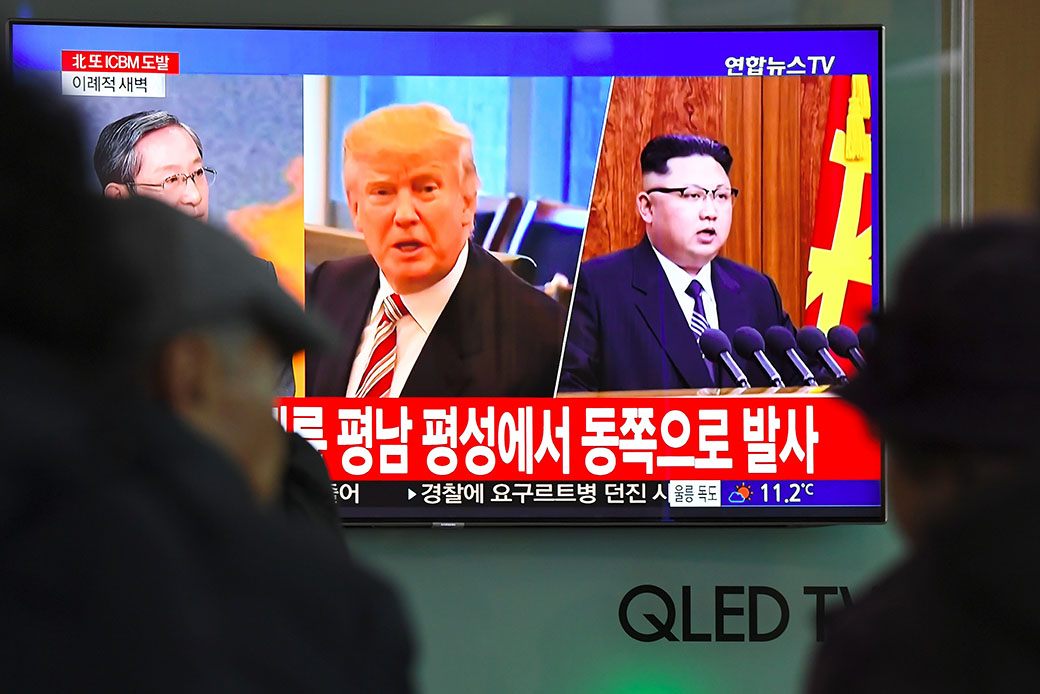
(598, 276)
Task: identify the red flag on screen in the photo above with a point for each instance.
(838, 289)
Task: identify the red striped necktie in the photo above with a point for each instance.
(375, 383)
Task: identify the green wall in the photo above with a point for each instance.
(528, 610)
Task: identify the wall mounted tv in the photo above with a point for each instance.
(512, 269)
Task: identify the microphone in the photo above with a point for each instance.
(866, 337)
(811, 340)
(780, 341)
(716, 346)
(843, 341)
(750, 345)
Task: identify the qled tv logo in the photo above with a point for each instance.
(741, 613)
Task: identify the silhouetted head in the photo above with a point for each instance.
(952, 378)
(63, 291)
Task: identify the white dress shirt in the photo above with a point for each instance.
(680, 279)
(424, 308)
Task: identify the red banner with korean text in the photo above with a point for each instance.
(785, 436)
(838, 289)
(120, 61)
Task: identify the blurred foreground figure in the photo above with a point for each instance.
(141, 543)
(954, 388)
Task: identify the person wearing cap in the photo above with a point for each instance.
(212, 335)
(141, 549)
(145, 544)
(428, 312)
(951, 385)
(638, 314)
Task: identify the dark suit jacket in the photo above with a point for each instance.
(497, 335)
(627, 331)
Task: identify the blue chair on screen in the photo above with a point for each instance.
(550, 234)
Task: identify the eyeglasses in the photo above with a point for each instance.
(697, 194)
(177, 182)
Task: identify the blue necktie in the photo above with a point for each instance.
(698, 322)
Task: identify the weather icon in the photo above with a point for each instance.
(741, 494)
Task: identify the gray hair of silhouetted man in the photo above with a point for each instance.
(212, 333)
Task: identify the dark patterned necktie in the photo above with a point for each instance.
(698, 322)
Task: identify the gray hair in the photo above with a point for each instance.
(115, 160)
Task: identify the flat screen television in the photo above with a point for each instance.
(578, 378)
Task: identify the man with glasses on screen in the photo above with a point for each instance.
(638, 314)
(428, 312)
(154, 154)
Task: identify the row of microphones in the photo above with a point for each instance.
(779, 341)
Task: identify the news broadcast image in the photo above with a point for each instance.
(695, 237)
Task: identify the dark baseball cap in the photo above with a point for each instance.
(955, 360)
(190, 274)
